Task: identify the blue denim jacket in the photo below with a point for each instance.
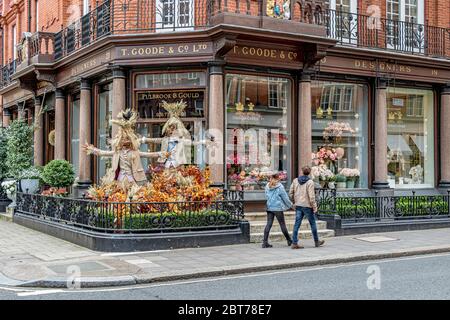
(277, 198)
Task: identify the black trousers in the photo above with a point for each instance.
(280, 217)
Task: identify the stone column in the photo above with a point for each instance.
(60, 125)
(304, 121)
(85, 133)
(445, 137)
(6, 117)
(119, 94)
(38, 133)
(216, 118)
(380, 170)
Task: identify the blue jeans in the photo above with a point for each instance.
(300, 212)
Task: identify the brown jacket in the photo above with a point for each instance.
(303, 195)
(136, 164)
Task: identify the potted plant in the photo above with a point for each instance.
(10, 188)
(332, 182)
(58, 174)
(30, 180)
(341, 181)
(351, 176)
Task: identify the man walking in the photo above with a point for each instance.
(303, 196)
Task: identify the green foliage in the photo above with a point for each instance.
(409, 206)
(58, 173)
(19, 148)
(341, 178)
(3, 152)
(202, 218)
(349, 206)
(30, 173)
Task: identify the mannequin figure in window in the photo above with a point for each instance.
(176, 143)
(125, 154)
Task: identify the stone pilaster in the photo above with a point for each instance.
(216, 118)
(119, 94)
(445, 138)
(304, 121)
(380, 170)
(84, 168)
(60, 125)
(38, 133)
(6, 117)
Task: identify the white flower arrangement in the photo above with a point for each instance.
(322, 172)
(416, 173)
(9, 186)
(350, 173)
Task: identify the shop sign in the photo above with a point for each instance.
(165, 50)
(375, 67)
(150, 103)
(273, 54)
(84, 66)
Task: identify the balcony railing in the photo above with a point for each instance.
(379, 33)
(6, 72)
(118, 17)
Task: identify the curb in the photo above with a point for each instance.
(98, 282)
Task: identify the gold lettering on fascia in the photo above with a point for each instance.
(84, 66)
(165, 50)
(434, 72)
(174, 95)
(382, 66)
(265, 53)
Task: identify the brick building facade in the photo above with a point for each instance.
(280, 72)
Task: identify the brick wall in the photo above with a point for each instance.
(53, 14)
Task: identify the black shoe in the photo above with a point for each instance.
(319, 243)
(266, 245)
(289, 242)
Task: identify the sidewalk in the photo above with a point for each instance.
(30, 258)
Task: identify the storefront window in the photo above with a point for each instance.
(339, 133)
(104, 126)
(258, 130)
(410, 138)
(74, 132)
(171, 80)
(150, 92)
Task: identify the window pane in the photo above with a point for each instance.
(104, 127)
(74, 134)
(258, 134)
(410, 138)
(339, 134)
(171, 80)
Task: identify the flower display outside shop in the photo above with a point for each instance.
(183, 184)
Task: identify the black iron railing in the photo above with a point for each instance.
(381, 208)
(380, 33)
(134, 217)
(6, 72)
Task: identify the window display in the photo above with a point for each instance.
(104, 128)
(74, 132)
(339, 134)
(410, 138)
(258, 130)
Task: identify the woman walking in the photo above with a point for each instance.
(277, 202)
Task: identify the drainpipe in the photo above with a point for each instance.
(29, 16)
